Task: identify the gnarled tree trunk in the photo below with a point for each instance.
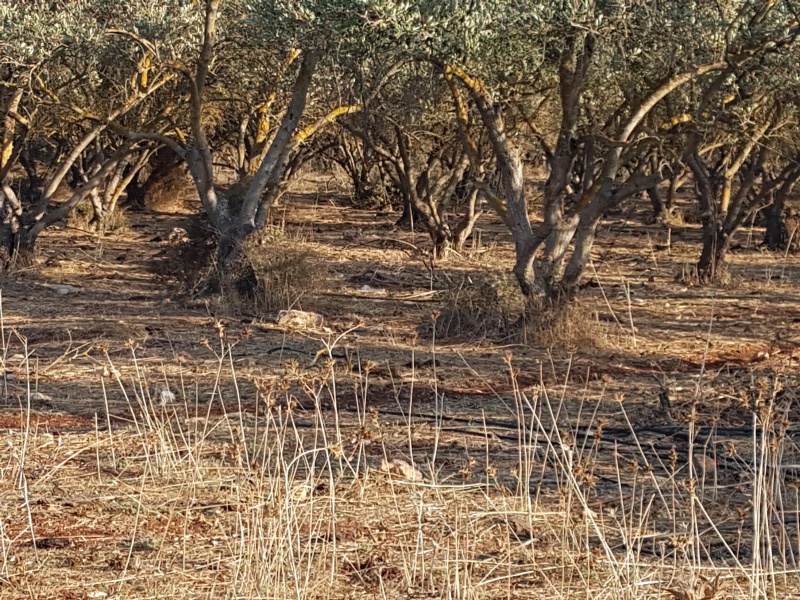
(568, 230)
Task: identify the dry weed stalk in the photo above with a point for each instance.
(220, 489)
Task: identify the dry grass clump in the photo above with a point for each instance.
(487, 304)
(272, 271)
(82, 215)
(172, 192)
(567, 325)
(117, 220)
(723, 277)
(188, 261)
(672, 216)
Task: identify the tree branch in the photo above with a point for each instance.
(273, 161)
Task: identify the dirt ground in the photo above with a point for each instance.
(150, 437)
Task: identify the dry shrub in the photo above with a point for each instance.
(173, 192)
(272, 272)
(566, 325)
(117, 220)
(480, 304)
(81, 218)
(188, 262)
(723, 277)
(672, 217)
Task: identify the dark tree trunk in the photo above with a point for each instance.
(229, 245)
(411, 215)
(775, 237)
(716, 243)
(17, 243)
(656, 202)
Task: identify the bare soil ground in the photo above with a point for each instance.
(157, 446)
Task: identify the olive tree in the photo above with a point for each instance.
(69, 81)
(618, 68)
(424, 134)
(738, 130)
(409, 125)
(297, 36)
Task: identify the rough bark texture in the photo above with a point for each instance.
(566, 235)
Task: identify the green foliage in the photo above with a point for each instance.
(77, 62)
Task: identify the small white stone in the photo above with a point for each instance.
(62, 289)
(167, 396)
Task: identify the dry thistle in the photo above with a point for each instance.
(466, 469)
(598, 432)
(730, 449)
(672, 456)
(336, 450)
(743, 513)
(219, 327)
(680, 542)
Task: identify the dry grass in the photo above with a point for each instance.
(273, 273)
(81, 218)
(216, 458)
(479, 305)
(194, 490)
(576, 325)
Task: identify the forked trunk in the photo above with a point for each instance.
(550, 270)
(442, 245)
